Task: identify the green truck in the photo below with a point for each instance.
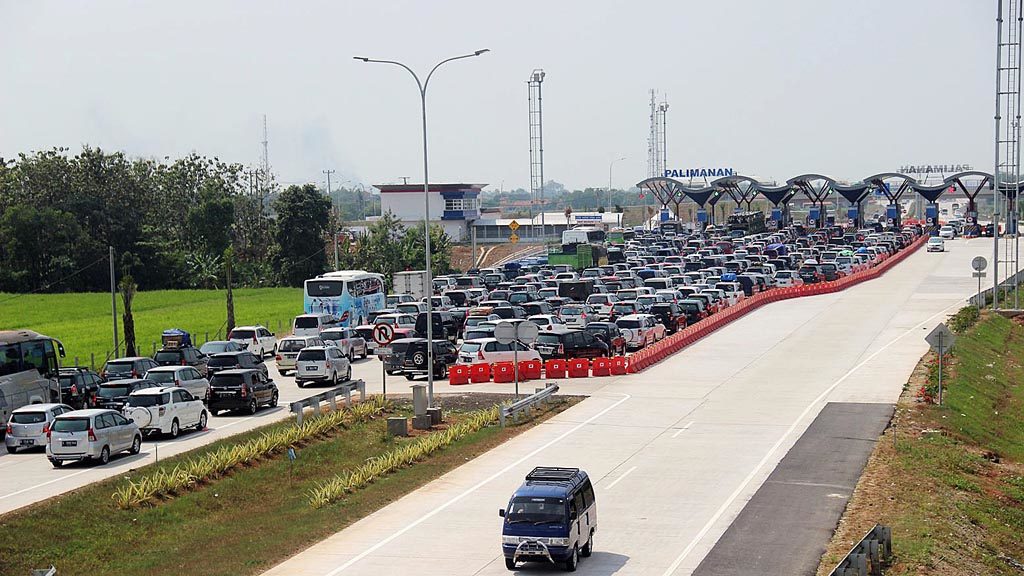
(579, 256)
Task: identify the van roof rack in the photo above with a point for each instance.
(552, 474)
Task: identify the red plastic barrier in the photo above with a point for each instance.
(479, 373)
(601, 367)
(619, 365)
(459, 374)
(530, 369)
(579, 368)
(504, 372)
(555, 368)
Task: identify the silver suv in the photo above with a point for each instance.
(28, 425)
(92, 434)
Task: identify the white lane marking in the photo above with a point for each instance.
(44, 484)
(624, 474)
(680, 431)
(472, 489)
(750, 477)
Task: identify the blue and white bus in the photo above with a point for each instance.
(348, 295)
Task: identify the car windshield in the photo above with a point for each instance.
(119, 368)
(242, 335)
(632, 324)
(549, 339)
(306, 322)
(113, 390)
(28, 417)
(144, 400)
(311, 355)
(536, 511)
(161, 376)
(571, 310)
(217, 347)
(623, 308)
(222, 361)
(227, 380)
(167, 356)
(71, 425)
(470, 347)
(66, 381)
(294, 345)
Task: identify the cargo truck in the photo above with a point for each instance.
(412, 282)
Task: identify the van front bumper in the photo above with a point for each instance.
(534, 551)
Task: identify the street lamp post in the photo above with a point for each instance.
(429, 283)
(608, 200)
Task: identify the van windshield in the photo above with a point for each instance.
(536, 511)
(306, 322)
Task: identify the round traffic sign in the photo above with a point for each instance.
(383, 334)
(979, 263)
(527, 332)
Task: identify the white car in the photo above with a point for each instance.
(947, 233)
(489, 350)
(639, 330)
(546, 321)
(288, 350)
(397, 320)
(185, 377)
(787, 278)
(935, 244)
(28, 425)
(256, 339)
(577, 315)
(165, 410)
(322, 364)
(348, 340)
(602, 303)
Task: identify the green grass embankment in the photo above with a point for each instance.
(82, 321)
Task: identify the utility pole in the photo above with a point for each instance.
(113, 304)
(337, 216)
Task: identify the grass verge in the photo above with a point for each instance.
(949, 480)
(242, 523)
(82, 320)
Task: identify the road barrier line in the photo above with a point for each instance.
(472, 489)
(617, 480)
(22, 491)
(681, 430)
(768, 456)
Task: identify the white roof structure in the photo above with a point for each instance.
(558, 219)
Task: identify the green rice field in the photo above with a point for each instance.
(82, 321)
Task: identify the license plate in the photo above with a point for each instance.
(27, 442)
(310, 368)
(69, 443)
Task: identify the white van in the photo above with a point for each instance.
(312, 324)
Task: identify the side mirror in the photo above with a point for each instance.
(501, 512)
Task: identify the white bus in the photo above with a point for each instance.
(347, 295)
(28, 370)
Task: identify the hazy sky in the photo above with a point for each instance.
(771, 88)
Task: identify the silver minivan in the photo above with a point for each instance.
(312, 324)
(28, 425)
(92, 434)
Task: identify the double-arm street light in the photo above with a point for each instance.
(429, 281)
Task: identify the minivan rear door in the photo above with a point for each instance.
(69, 436)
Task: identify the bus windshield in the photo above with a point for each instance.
(36, 353)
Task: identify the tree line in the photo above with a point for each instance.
(191, 222)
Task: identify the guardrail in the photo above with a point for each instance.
(542, 395)
(869, 556)
(330, 396)
(1005, 287)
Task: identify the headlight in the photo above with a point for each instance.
(510, 540)
(558, 541)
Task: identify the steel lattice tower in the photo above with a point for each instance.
(1005, 201)
(537, 144)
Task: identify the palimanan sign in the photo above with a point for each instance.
(699, 173)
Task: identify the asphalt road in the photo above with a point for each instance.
(677, 451)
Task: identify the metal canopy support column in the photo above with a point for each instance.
(816, 194)
(855, 194)
(971, 192)
(779, 196)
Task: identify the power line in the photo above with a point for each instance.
(54, 283)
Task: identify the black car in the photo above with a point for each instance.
(694, 310)
(113, 395)
(829, 271)
(239, 359)
(570, 344)
(610, 334)
(125, 368)
(184, 356)
(415, 359)
(443, 325)
(669, 314)
(539, 307)
(393, 364)
(243, 389)
(809, 274)
(78, 387)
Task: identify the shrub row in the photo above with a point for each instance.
(167, 482)
(332, 490)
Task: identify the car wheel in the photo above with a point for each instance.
(136, 445)
(588, 549)
(365, 353)
(263, 354)
(348, 373)
(442, 373)
(175, 428)
(202, 421)
(56, 463)
(252, 407)
(573, 561)
(12, 449)
(105, 455)
(510, 564)
(273, 400)
(351, 355)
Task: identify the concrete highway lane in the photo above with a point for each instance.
(676, 451)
